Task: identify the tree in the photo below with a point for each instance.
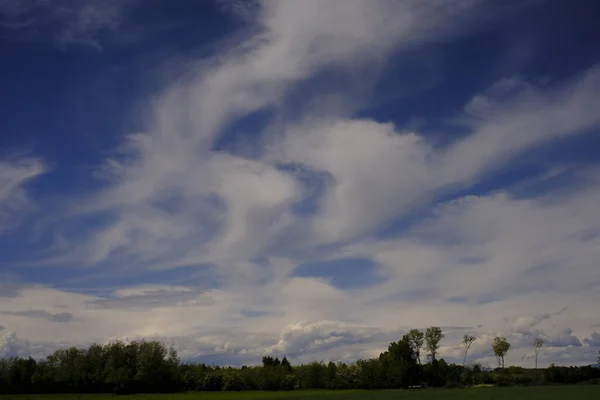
(598, 360)
(269, 361)
(467, 342)
(416, 339)
(433, 336)
(399, 364)
(286, 364)
(500, 347)
(537, 345)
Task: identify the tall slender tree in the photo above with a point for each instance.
(467, 342)
(416, 338)
(433, 336)
(500, 347)
(537, 345)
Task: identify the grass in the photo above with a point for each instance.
(515, 393)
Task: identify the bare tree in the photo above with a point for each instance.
(537, 345)
(467, 342)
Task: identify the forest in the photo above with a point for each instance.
(151, 367)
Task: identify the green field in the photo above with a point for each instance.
(524, 393)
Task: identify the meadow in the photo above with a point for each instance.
(492, 393)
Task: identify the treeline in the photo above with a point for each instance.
(116, 367)
(147, 366)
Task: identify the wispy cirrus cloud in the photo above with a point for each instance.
(170, 190)
(64, 22)
(152, 298)
(15, 172)
(59, 317)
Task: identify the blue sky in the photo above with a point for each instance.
(302, 178)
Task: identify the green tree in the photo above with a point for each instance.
(346, 376)
(331, 374)
(500, 347)
(213, 381)
(372, 374)
(286, 364)
(316, 375)
(69, 369)
(433, 336)
(467, 341)
(232, 380)
(399, 364)
(269, 361)
(95, 360)
(537, 345)
(119, 369)
(416, 340)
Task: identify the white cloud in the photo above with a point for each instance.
(219, 332)
(593, 340)
(362, 158)
(496, 246)
(62, 21)
(152, 297)
(15, 173)
(12, 345)
(58, 317)
(319, 337)
(512, 117)
(378, 173)
(168, 190)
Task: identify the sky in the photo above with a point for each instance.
(303, 178)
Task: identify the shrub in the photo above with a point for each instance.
(502, 380)
(289, 382)
(213, 381)
(232, 381)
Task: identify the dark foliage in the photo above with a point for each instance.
(143, 366)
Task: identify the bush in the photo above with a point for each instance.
(522, 380)
(484, 378)
(150, 367)
(213, 381)
(502, 380)
(289, 382)
(232, 381)
(467, 377)
(595, 381)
